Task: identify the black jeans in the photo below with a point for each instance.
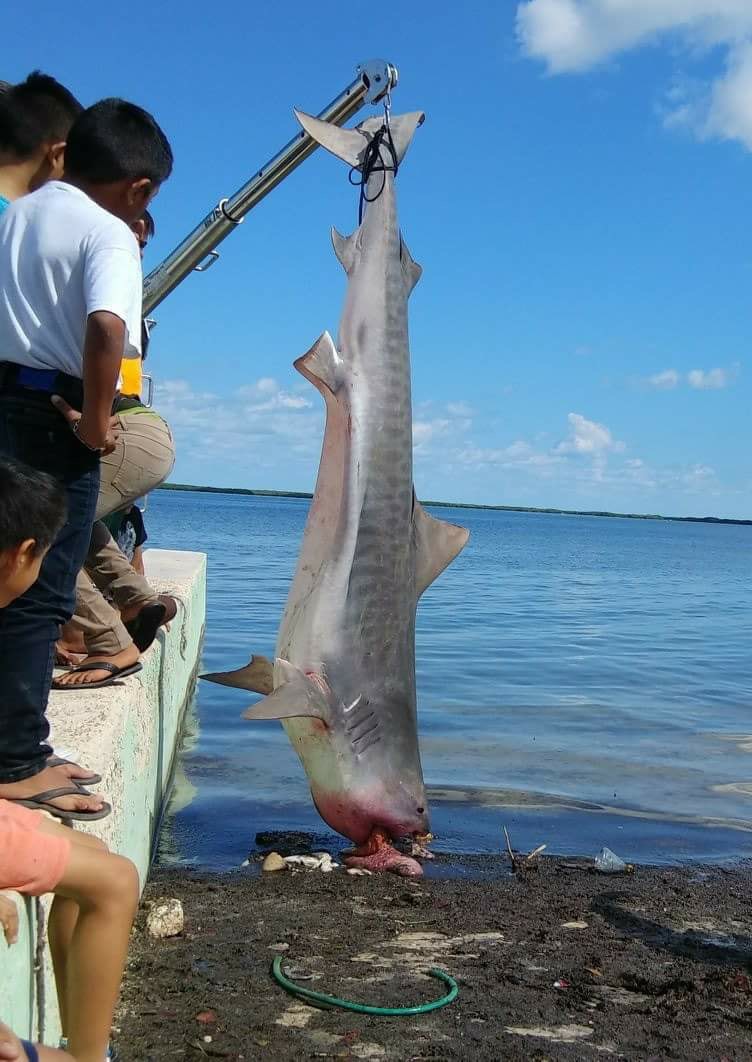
(32, 431)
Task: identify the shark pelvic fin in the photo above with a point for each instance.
(257, 675)
(321, 364)
(410, 267)
(346, 248)
(350, 144)
(437, 543)
(298, 696)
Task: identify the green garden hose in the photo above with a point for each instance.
(321, 999)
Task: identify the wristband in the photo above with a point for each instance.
(94, 449)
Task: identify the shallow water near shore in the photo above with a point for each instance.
(582, 680)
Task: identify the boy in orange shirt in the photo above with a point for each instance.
(96, 892)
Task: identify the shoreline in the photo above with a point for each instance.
(556, 963)
(191, 488)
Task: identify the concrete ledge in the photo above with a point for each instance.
(128, 734)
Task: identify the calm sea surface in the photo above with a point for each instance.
(583, 681)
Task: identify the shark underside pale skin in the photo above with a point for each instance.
(343, 680)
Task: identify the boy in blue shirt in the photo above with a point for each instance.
(35, 118)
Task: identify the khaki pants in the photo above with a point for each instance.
(142, 459)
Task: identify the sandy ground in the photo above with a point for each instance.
(557, 963)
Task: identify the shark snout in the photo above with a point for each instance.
(399, 810)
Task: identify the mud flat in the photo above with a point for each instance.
(558, 963)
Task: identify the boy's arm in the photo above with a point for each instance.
(103, 346)
(103, 353)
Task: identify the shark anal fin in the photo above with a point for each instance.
(346, 248)
(296, 697)
(437, 543)
(410, 267)
(321, 364)
(257, 675)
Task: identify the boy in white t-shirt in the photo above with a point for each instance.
(70, 310)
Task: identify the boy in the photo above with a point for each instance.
(35, 119)
(96, 893)
(142, 459)
(70, 311)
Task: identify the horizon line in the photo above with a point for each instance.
(470, 505)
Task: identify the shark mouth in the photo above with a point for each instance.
(379, 854)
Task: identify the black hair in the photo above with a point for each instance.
(34, 112)
(33, 506)
(116, 140)
(148, 219)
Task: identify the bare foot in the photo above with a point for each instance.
(51, 778)
(124, 658)
(74, 772)
(378, 854)
(65, 657)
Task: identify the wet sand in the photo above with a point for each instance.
(556, 963)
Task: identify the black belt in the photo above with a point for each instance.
(22, 380)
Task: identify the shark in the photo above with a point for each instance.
(342, 682)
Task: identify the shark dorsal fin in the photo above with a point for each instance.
(321, 364)
(437, 543)
(346, 248)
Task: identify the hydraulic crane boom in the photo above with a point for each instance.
(375, 79)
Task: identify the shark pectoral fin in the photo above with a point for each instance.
(296, 697)
(346, 248)
(346, 144)
(410, 267)
(321, 365)
(437, 544)
(257, 675)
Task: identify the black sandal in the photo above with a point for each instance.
(101, 665)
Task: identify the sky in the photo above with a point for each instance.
(579, 198)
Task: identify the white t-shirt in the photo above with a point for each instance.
(63, 257)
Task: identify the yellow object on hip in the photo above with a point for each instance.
(131, 373)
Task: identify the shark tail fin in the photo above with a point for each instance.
(350, 144)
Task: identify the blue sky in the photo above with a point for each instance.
(579, 198)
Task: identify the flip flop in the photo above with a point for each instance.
(102, 665)
(60, 761)
(41, 802)
(144, 626)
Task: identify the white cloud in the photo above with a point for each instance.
(249, 427)
(572, 36)
(664, 381)
(710, 380)
(699, 379)
(588, 437)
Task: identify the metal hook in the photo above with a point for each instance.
(387, 107)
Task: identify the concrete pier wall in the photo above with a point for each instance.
(127, 733)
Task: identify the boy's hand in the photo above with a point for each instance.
(87, 437)
(9, 919)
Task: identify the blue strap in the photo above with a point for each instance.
(31, 1052)
(38, 379)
